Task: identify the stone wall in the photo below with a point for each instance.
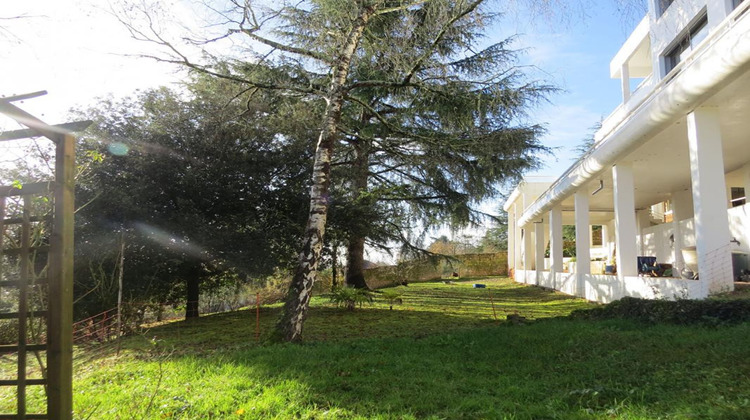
(467, 265)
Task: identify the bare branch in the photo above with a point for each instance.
(387, 10)
(283, 47)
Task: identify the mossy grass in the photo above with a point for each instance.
(440, 354)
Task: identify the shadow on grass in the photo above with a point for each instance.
(440, 355)
(551, 369)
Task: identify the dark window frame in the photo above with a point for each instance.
(738, 196)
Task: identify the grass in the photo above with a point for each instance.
(438, 355)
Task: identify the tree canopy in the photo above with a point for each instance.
(200, 183)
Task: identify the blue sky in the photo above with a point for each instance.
(575, 57)
(74, 49)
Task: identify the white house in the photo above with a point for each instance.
(669, 171)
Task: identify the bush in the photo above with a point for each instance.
(710, 311)
(349, 297)
(392, 296)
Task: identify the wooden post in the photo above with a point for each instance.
(492, 301)
(2, 231)
(23, 307)
(119, 290)
(60, 315)
(257, 317)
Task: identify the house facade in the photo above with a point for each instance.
(663, 190)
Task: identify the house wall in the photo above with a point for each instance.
(739, 227)
(657, 243)
(566, 282)
(608, 288)
(667, 27)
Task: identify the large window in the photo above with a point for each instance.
(686, 43)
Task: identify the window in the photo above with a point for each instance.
(697, 33)
(664, 5)
(738, 196)
(736, 3)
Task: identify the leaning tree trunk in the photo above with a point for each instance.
(289, 326)
(355, 273)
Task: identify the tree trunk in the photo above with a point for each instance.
(289, 326)
(334, 262)
(355, 273)
(193, 294)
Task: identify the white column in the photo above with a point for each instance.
(556, 243)
(512, 236)
(518, 261)
(747, 183)
(605, 242)
(583, 241)
(709, 200)
(682, 209)
(625, 82)
(540, 246)
(528, 252)
(546, 240)
(625, 226)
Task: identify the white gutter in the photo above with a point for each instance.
(513, 196)
(725, 55)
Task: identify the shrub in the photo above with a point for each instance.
(392, 296)
(710, 311)
(349, 297)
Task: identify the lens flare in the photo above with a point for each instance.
(118, 149)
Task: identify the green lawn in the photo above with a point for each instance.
(440, 354)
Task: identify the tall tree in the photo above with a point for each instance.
(314, 45)
(435, 128)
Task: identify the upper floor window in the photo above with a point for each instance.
(664, 5)
(695, 34)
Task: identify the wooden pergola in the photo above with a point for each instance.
(58, 281)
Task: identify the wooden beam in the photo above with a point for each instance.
(24, 96)
(16, 315)
(31, 121)
(34, 188)
(60, 275)
(30, 132)
(14, 382)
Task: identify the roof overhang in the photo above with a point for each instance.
(724, 57)
(635, 52)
